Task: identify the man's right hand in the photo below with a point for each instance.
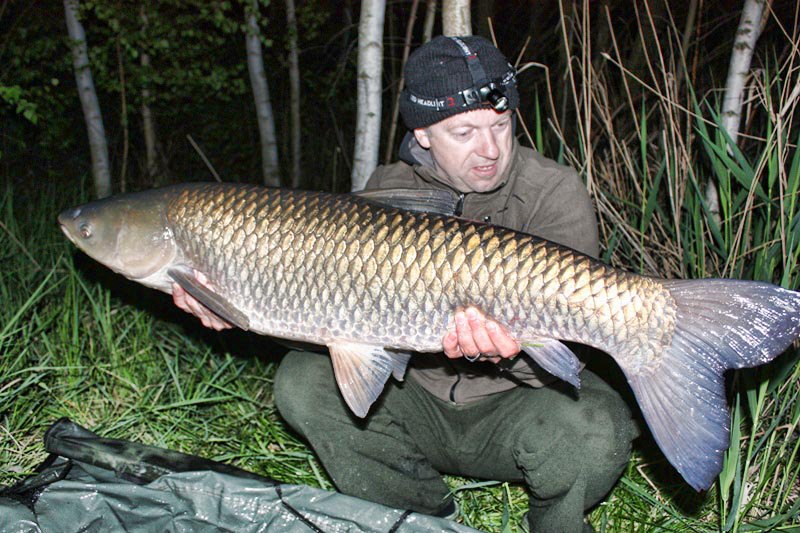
(476, 335)
(188, 303)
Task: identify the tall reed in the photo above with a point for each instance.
(647, 143)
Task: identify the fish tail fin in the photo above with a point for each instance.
(720, 324)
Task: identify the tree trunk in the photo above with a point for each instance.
(91, 107)
(412, 17)
(456, 17)
(644, 50)
(368, 116)
(294, 90)
(688, 30)
(746, 36)
(123, 119)
(148, 124)
(430, 18)
(258, 80)
(149, 129)
(601, 31)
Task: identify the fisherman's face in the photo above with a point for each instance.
(471, 150)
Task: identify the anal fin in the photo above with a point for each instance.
(399, 364)
(362, 370)
(216, 303)
(554, 357)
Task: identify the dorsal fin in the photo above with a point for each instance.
(436, 201)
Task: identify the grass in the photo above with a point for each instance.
(72, 347)
(77, 341)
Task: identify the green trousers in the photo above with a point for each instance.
(567, 447)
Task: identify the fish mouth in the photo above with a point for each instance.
(66, 232)
(64, 221)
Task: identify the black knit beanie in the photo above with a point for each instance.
(437, 72)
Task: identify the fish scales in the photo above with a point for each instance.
(371, 281)
(395, 277)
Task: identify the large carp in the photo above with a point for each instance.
(375, 282)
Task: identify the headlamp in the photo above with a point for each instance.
(493, 95)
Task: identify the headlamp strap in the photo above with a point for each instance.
(475, 68)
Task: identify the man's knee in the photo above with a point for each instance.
(591, 443)
(303, 384)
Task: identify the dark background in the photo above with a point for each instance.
(199, 82)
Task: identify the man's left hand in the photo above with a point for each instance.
(477, 336)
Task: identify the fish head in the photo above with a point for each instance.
(128, 233)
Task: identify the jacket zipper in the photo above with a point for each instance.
(460, 204)
(459, 210)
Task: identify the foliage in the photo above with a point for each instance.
(13, 96)
(197, 82)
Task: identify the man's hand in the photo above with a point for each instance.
(188, 303)
(477, 336)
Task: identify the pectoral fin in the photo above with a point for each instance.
(216, 303)
(554, 357)
(361, 372)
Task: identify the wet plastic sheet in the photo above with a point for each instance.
(132, 487)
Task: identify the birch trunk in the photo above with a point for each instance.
(258, 80)
(456, 17)
(742, 54)
(370, 67)
(294, 90)
(91, 107)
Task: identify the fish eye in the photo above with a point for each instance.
(85, 230)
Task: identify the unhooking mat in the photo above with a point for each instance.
(93, 484)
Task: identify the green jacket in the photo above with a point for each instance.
(539, 197)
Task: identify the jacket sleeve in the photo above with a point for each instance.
(566, 214)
